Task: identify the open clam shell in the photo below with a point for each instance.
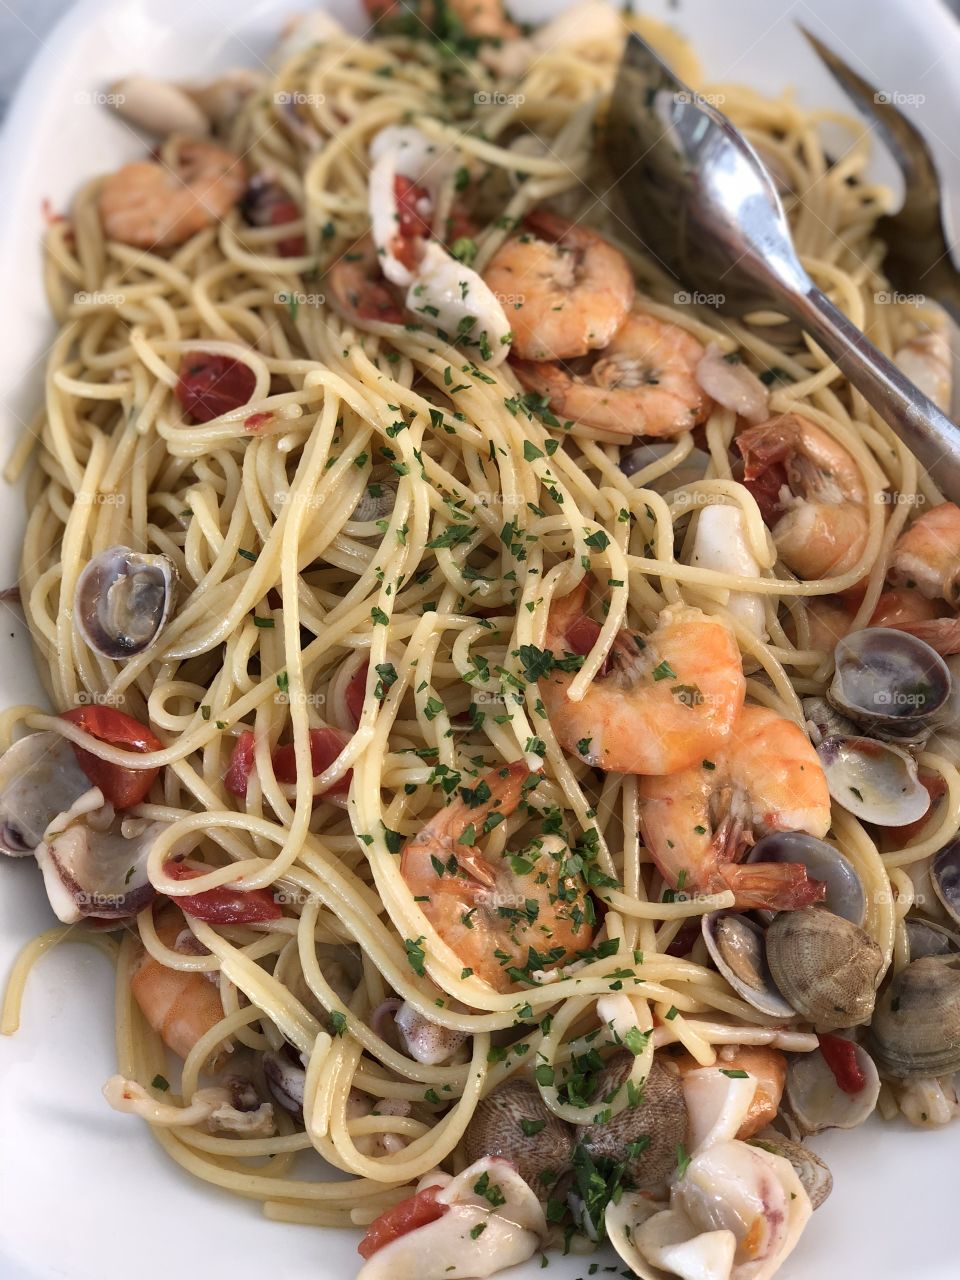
(39, 778)
(123, 601)
(890, 682)
(927, 938)
(875, 781)
(817, 1102)
(845, 896)
(736, 945)
(945, 878)
(814, 1174)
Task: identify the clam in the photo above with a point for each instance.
(927, 938)
(915, 1032)
(286, 1081)
(375, 503)
(815, 1177)
(94, 861)
(891, 682)
(875, 781)
(736, 945)
(734, 1200)
(844, 895)
(825, 966)
(96, 874)
(39, 778)
(513, 1123)
(692, 468)
(657, 1123)
(814, 1099)
(426, 1041)
(123, 600)
(945, 878)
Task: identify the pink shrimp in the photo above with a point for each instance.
(698, 823)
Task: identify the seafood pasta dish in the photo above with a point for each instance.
(503, 727)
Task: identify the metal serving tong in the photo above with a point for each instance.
(707, 209)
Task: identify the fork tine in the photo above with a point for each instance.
(907, 143)
(918, 249)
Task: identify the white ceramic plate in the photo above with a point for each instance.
(85, 1193)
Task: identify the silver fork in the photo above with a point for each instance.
(707, 209)
(918, 252)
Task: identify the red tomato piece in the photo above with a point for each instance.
(123, 787)
(211, 384)
(411, 224)
(284, 210)
(325, 745)
(241, 763)
(841, 1057)
(400, 1219)
(223, 905)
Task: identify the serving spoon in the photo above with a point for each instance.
(706, 208)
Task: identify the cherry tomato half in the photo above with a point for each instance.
(325, 745)
(123, 787)
(223, 905)
(211, 384)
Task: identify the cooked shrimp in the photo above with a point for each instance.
(927, 361)
(565, 289)
(180, 1006)
(663, 700)
(492, 913)
(902, 608)
(810, 492)
(359, 289)
(698, 823)
(484, 19)
(643, 384)
(927, 554)
(767, 1066)
(156, 205)
(829, 619)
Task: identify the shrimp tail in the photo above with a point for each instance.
(941, 634)
(770, 886)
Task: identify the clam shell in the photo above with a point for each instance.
(736, 945)
(661, 1117)
(915, 1030)
(875, 781)
(689, 471)
(890, 682)
(826, 966)
(945, 878)
(495, 1130)
(376, 502)
(814, 1099)
(927, 938)
(39, 778)
(814, 1175)
(845, 896)
(123, 601)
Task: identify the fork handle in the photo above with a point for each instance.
(924, 429)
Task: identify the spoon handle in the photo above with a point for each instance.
(923, 428)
